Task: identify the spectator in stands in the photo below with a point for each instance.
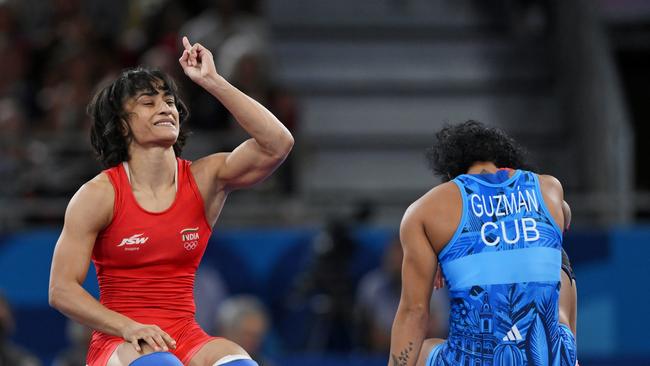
(377, 299)
(11, 354)
(244, 320)
(79, 338)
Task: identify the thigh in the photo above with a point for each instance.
(427, 346)
(125, 353)
(215, 350)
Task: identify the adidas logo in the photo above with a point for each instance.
(513, 334)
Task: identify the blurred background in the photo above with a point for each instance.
(304, 268)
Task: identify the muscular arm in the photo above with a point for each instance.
(418, 270)
(554, 198)
(89, 211)
(256, 158)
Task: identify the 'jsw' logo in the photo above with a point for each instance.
(134, 240)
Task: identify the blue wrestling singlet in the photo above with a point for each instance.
(502, 268)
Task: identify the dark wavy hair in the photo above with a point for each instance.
(109, 135)
(458, 147)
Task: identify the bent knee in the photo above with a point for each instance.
(218, 350)
(228, 347)
(125, 354)
(157, 359)
(236, 360)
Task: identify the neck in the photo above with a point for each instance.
(152, 168)
(482, 167)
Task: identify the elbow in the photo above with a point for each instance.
(53, 297)
(417, 309)
(288, 143)
(56, 296)
(284, 147)
(416, 312)
(415, 318)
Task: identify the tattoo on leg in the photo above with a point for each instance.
(403, 357)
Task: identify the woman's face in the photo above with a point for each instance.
(153, 118)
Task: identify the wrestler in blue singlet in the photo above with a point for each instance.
(502, 269)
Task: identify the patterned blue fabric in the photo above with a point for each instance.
(502, 269)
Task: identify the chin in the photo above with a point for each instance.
(165, 142)
(169, 139)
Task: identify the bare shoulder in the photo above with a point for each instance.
(550, 182)
(438, 212)
(551, 187)
(433, 203)
(93, 202)
(440, 195)
(99, 189)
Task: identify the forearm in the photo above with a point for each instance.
(73, 301)
(253, 117)
(409, 330)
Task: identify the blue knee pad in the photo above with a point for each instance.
(240, 362)
(157, 359)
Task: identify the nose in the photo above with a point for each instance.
(165, 109)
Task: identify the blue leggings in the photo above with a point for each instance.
(157, 359)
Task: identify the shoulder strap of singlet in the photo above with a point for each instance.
(187, 182)
(463, 217)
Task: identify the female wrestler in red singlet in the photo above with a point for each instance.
(145, 221)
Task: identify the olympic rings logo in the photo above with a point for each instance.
(190, 245)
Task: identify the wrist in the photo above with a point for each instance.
(123, 326)
(215, 83)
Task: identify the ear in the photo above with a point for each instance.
(125, 128)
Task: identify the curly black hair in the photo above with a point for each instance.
(108, 136)
(458, 147)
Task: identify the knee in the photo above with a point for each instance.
(157, 359)
(236, 360)
(221, 351)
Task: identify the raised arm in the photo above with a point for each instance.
(256, 158)
(89, 211)
(418, 270)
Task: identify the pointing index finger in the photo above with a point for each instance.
(186, 43)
